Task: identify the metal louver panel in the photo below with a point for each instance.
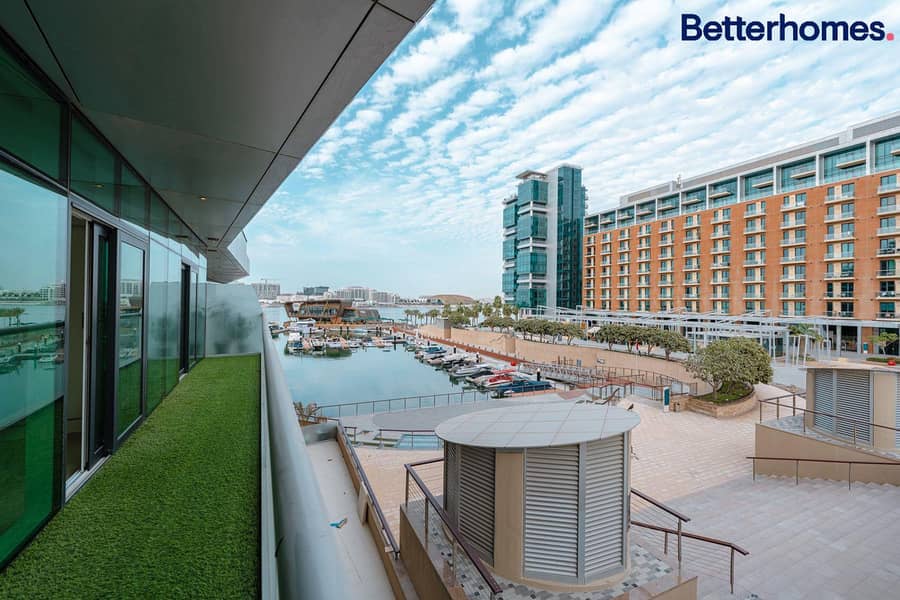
(897, 416)
(604, 506)
(824, 400)
(451, 481)
(551, 512)
(854, 402)
(476, 499)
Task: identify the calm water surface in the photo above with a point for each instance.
(364, 374)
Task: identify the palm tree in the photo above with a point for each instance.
(433, 314)
(498, 303)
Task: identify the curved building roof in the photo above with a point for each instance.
(537, 425)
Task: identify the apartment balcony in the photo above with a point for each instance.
(754, 246)
(721, 265)
(622, 297)
(691, 296)
(842, 314)
(755, 297)
(624, 234)
(888, 251)
(834, 295)
(840, 235)
(692, 225)
(691, 268)
(838, 256)
(665, 227)
(793, 278)
(720, 250)
(794, 205)
(788, 260)
(753, 280)
(605, 252)
(793, 242)
(886, 315)
(754, 262)
(644, 245)
(793, 297)
(666, 284)
(644, 259)
(793, 313)
(717, 220)
(893, 230)
(887, 188)
(718, 235)
(888, 273)
(839, 275)
(720, 297)
(889, 210)
(887, 294)
(664, 270)
(589, 285)
(623, 261)
(669, 242)
(835, 218)
(792, 224)
(839, 197)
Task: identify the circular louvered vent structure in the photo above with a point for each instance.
(855, 402)
(540, 491)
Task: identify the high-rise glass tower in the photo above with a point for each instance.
(542, 239)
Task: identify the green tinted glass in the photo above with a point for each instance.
(30, 119)
(32, 319)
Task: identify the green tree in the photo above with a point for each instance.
(498, 303)
(433, 314)
(488, 310)
(738, 360)
(882, 340)
(672, 341)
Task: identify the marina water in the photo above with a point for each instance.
(363, 375)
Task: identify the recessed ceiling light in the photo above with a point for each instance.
(203, 198)
(99, 186)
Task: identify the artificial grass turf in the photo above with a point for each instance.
(173, 514)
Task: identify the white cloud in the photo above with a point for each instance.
(430, 147)
(421, 63)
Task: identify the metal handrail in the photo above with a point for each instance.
(680, 516)
(797, 462)
(701, 538)
(430, 499)
(361, 472)
(794, 408)
(476, 394)
(411, 431)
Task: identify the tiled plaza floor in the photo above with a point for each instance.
(815, 540)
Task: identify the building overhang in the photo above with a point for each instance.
(208, 100)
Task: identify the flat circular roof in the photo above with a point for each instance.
(537, 425)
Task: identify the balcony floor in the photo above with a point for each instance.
(173, 514)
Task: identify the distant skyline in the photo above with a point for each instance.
(404, 191)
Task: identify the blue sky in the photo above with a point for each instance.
(404, 191)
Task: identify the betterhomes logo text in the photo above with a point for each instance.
(739, 29)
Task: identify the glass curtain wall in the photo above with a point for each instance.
(49, 155)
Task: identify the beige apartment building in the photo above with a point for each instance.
(808, 234)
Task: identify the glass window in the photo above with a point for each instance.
(133, 195)
(32, 319)
(131, 336)
(30, 119)
(94, 167)
(173, 321)
(158, 326)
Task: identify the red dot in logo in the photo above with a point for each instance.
(890, 37)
